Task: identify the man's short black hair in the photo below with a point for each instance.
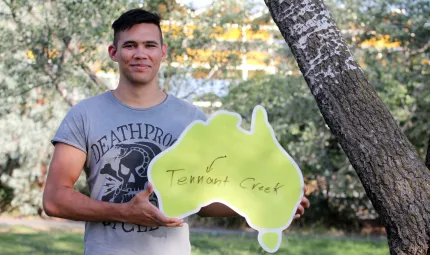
(134, 17)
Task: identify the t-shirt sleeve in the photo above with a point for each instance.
(72, 129)
(200, 115)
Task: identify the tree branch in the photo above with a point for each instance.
(12, 10)
(208, 77)
(409, 55)
(56, 85)
(189, 94)
(63, 96)
(24, 91)
(102, 86)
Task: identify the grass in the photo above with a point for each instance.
(24, 240)
(291, 244)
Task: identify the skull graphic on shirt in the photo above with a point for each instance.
(130, 177)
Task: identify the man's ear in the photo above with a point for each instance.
(112, 52)
(164, 51)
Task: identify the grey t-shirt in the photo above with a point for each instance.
(120, 142)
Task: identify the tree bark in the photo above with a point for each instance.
(395, 178)
(428, 155)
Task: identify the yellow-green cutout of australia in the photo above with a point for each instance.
(218, 161)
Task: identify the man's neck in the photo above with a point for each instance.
(139, 96)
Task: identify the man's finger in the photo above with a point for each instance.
(174, 225)
(300, 210)
(306, 188)
(296, 216)
(165, 221)
(149, 187)
(147, 191)
(305, 202)
(170, 222)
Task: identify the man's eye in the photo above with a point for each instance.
(128, 46)
(150, 45)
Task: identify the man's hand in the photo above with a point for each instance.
(303, 204)
(140, 211)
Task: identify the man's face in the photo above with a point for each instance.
(139, 52)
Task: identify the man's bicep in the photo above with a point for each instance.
(66, 165)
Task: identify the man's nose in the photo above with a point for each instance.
(141, 52)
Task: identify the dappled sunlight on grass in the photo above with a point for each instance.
(291, 245)
(24, 240)
(19, 230)
(40, 243)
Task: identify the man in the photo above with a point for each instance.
(113, 136)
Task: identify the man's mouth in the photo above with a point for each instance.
(140, 67)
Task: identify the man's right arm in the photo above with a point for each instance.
(61, 200)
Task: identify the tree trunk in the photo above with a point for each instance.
(428, 155)
(394, 177)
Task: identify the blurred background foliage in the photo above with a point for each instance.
(225, 55)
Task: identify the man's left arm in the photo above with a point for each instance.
(216, 210)
(221, 210)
